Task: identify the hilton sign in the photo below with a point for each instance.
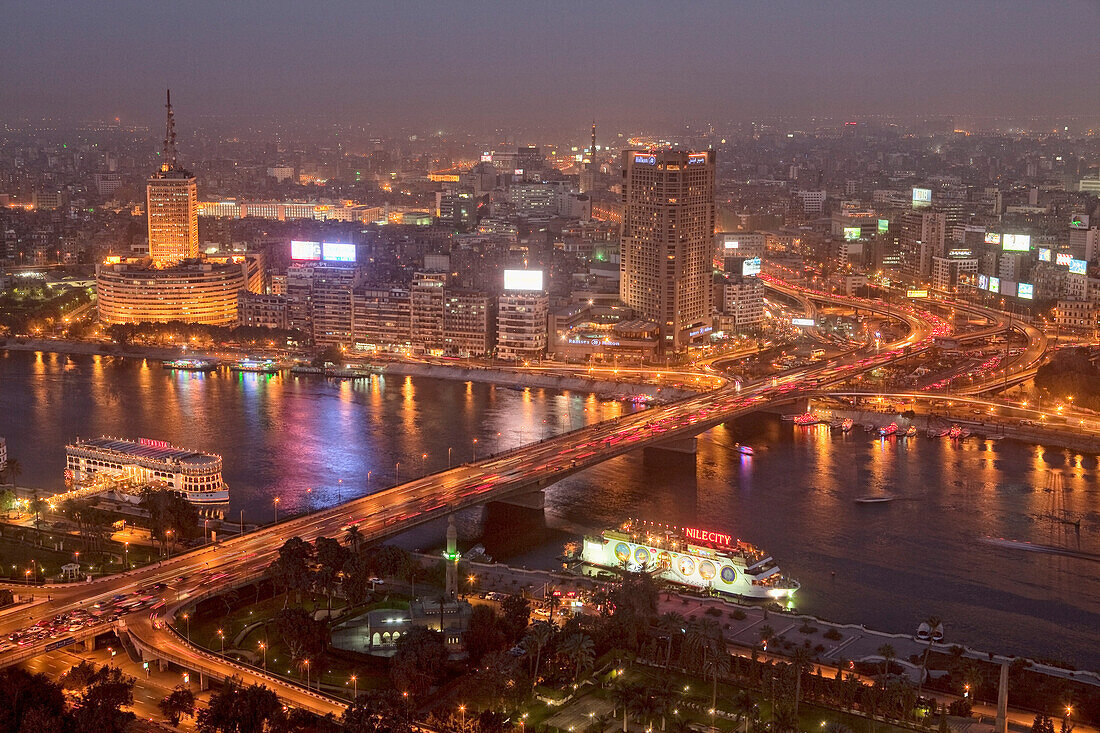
(703, 535)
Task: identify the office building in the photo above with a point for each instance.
(426, 298)
(382, 319)
(331, 300)
(521, 325)
(172, 205)
(923, 236)
(196, 292)
(667, 240)
(469, 320)
(740, 302)
(261, 310)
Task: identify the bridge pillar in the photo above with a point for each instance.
(204, 682)
(535, 499)
(162, 665)
(679, 451)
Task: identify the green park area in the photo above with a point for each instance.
(661, 671)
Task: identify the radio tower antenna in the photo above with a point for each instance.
(592, 152)
(169, 162)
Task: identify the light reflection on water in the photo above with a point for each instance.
(311, 442)
(891, 565)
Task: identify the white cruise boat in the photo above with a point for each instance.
(194, 474)
(689, 556)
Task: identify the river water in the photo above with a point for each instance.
(311, 443)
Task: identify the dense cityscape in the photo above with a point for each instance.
(483, 401)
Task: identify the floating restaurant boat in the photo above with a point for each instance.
(194, 474)
(691, 557)
(807, 419)
(889, 430)
(191, 365)
(264, 366)
(846, 424)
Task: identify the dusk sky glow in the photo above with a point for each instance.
(640, 62)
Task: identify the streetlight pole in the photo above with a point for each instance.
(263, 648)
(354, 687)
(187, 620)
(221, 636)
(397, 472)
(307, 673)
(449, 449)
(275, 503)
(473, 448)
(168, 542)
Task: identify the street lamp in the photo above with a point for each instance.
(462, 709)
(473, 448)
(397, 472)
(275, 503)
(263, 648)
(354, 687)
(187, 620)
(222, 637)
(449, 449)
(306, 663)
(168, 542)
(126, 555)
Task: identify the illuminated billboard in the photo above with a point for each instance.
(922, 196)
(1016, 242)
(305, 250)
(994, 284)
(697, 158)
(523, 279)
(851, 233)
(1079, 221)
(640, 159)
(883, 225)
(337, 252)
(731, 244)
(802, 322)
(750, 267)
(1079, 267)
(916, 293)
(1025, 291)
(1063, 259)
(1044, 254)
(992, 238)
(983, 282)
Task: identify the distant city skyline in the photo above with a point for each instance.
(507, 64)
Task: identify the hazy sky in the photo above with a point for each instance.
(555, 61)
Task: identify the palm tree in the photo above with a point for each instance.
(766, 634)
(716, 663)
(552, 602)
(538, 636)
(933, 623)
(799, 660)
(661, 698)
(887, 653)
(354, 537)
(580, 651)
(623, 697)
(785, 719)
(744, 707)
(672, 624)
(11, 470)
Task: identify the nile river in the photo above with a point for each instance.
(312, 442)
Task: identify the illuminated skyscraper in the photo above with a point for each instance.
(172, 205)
(667, 241)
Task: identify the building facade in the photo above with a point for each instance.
(521, 325)
(667, 239)
(198, 292)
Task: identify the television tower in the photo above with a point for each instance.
(169, 162)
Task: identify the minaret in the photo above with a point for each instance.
(169, 163)
(451, 558)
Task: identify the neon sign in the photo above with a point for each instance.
(697, 158)
(646, 159)
(154, 443)
(706, 536)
